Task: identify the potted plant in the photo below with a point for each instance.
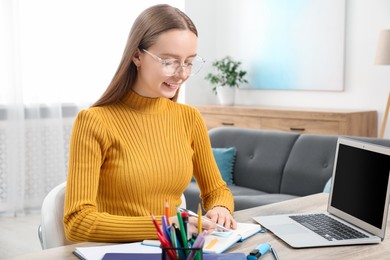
(228, 76)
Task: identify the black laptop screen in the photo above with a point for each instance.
(360, 184)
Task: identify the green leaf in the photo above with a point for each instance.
(227, 72)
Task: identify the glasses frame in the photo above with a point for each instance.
(183, 65)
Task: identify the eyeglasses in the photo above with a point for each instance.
(171, 66)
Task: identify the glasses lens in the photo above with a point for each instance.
(197, 65)
(171, 68)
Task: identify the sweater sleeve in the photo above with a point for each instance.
(82, 220)
(213, 189)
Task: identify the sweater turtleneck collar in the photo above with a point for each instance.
(145, 104)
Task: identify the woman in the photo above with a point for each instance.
(136, 147)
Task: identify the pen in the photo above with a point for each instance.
(171, 231)
(193, 214)
(179, 241)
(182, 230)
(274, 253)
(186, 224)
(178, 235)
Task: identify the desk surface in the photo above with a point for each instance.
(309, 203)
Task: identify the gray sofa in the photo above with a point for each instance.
(273, 166)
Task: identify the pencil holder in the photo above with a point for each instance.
(181, 253)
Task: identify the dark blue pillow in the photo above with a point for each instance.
(225, 158)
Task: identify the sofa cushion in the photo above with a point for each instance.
(261, 155)
(225, 158)
(310, 165)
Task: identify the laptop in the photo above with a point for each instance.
(358, 202)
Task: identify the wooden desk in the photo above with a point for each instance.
(304, 204)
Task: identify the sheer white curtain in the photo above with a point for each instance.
(32, 151)
(56, 57)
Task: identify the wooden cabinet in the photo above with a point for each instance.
(318, 121)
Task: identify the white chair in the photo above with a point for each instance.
(51, 231)
(183, 202)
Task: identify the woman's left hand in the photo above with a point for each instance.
(222, 216)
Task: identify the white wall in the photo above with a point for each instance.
(63, 51)
(366, 85)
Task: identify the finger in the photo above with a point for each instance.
(227, 223)
(221, 220)
(233, 224)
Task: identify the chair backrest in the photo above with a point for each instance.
(51, 231)
(183, 202)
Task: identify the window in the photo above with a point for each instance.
(64, 51)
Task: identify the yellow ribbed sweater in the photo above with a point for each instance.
(126, 159)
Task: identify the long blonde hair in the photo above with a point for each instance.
(144, 33)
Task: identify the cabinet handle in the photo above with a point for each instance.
(230, 124)
(297, 128)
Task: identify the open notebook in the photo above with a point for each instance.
(219, 242)
(359, 200)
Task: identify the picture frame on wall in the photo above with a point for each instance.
(292, 44)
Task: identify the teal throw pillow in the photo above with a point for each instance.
(225, 158)
(327, 186)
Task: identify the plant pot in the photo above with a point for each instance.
(226, 95)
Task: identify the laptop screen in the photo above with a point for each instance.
(361, 179)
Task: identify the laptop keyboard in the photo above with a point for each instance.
(327, 227)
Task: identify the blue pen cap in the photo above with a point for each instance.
(251, 257)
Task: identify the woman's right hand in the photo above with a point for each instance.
(193, 222)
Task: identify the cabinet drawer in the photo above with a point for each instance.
(300, 125)
(319, 121)
(229, 120)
